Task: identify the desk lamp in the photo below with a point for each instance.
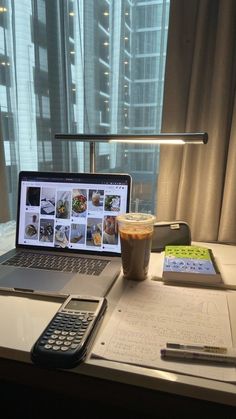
(162, 138)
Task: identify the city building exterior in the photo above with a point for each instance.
(82, 66)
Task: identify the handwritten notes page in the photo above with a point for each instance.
(149, 314)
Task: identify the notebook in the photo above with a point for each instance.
(66, 233)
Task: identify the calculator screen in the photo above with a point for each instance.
(83, 305)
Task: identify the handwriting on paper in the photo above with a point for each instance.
(149, 315)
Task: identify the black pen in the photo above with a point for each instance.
(190, 355)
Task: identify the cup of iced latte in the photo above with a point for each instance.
(135, 231)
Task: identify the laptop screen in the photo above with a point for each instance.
(71, 211)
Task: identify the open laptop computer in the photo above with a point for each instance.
(66, 233)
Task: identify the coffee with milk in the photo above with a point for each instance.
(135, 230)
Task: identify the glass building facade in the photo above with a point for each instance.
(82, 66)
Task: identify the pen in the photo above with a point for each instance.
(200, 348)
(199, 356)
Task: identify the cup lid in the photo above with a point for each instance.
(136, 217)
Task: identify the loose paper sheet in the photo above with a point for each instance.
(23, 320)
(150, 314)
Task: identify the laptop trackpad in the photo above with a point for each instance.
(32, 279)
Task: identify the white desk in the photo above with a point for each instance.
(28, 318)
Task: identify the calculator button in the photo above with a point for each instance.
(75, 329)
(47, 346)
(51, 341)
(72, 333)
(73, 345)
(64, 348)
(89, 318)
(54, 336)
(67, 343)
(59, 342)
(62, 337)
(56, 347)
(64, 333)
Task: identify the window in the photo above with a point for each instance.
(87, 67)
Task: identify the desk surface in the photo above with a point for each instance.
(15, 348)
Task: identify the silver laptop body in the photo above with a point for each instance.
(66, 233)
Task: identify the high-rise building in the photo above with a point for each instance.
(83, 66)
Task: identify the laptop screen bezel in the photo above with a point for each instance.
(122, 178)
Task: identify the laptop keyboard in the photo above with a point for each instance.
(58, 263)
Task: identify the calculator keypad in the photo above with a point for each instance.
(66, 331)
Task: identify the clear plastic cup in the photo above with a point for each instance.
(136, 231)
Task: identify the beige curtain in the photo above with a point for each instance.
(197, 184)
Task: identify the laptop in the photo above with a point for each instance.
(66, 233)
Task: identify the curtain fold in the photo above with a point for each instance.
(196, 183)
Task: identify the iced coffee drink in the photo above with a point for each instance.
(135, 230)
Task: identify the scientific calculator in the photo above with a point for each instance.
(65, 341)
